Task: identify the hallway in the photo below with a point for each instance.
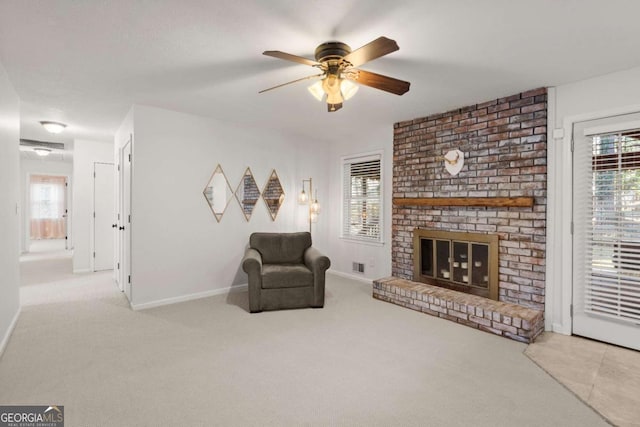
(46, 277)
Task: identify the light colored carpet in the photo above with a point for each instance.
(356, 362)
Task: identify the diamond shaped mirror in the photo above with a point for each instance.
(247, 194)
(273, 195)
(218, 193)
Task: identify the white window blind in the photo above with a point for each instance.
(608, 215)
(362, 198)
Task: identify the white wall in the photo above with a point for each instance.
(9, 207)
(178, 248)
(85, 154)
(609, 94)
(42, 166)
(377, 258)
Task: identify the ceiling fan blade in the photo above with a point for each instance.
(373, 50)
(289, 57)
(294, 81)
(378, 81)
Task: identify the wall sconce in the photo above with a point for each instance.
(53, 127)
(304, 198)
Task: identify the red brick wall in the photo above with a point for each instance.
(505, 146)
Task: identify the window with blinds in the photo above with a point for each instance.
(362, 198)
(611, 222)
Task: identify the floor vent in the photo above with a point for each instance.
(358, 267)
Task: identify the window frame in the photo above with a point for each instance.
(349, 160)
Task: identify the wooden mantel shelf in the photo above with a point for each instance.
(509, 202)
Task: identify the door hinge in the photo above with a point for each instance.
(129, 279)
(129, 219)
(94, 174)
(571, 310)
(118, 266)
(94, 254)
(118, 168)
(129, 158)
(94, 214)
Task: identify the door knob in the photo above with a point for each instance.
(121, 228)
(114, 225)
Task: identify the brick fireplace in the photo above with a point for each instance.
(504, 141)
(505, 146)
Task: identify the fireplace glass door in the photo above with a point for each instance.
(466, 262)
(442, 259)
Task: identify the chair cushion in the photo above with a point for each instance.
(281, 248)
(276, 276)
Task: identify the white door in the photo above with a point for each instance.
(117, 244)
(125, 220)
(606, 223)
(103, 211)
(67, 215)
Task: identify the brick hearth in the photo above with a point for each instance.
(500, 318)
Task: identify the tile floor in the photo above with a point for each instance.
(604, 376)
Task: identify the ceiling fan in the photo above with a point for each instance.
(338, 65)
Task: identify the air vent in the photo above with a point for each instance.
(358, 267)
(45, 144)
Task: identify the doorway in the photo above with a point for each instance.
(606, 221)
(103, 215)
(48, 209)
(123, 273)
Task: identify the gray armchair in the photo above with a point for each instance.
(284, 271)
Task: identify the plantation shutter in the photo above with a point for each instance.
(362, 204)
(607, 222)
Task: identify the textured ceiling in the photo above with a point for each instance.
(86, 62)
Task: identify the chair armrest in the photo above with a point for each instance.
(315, 261)
(252, 262)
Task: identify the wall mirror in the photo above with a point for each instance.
(247, 194)
(273, 195)
(218, 193)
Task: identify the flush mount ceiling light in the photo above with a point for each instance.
(42, 152)
(338, 65)
(53, 127)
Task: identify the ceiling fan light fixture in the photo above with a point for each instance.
(53, 127)
(348, 89)
(316, 90)
(331, 86)
(42, 152)
(340, 68)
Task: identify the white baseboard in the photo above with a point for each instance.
(189, 297)
(350, 276)
(559, 328)
(7, 336)
(84, 270)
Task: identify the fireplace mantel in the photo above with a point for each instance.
(516, 202)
